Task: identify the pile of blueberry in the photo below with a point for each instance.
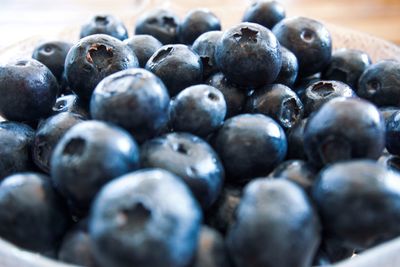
(188, 146)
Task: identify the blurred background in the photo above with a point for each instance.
(21, 19)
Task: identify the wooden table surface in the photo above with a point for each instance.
(20, 19)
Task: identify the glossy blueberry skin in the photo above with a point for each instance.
(298, 171)
(28, 90)
(190, 158)
(76, 248)
(52, 55)
(32, 215)
(144, 46)
(249, 55)
(177, 66)
(321, 92)
(366, 196)
(16, 141)
(344, 129)
(136, 221)
(160, 23)
(48, 134)
(89, 155)
(309, 40)
(235, 97)
(70, 103)
(393, 133)
(211, 251)
(346, 66)
(205, 46)
(279, 102)
(195, 23)
(199, 109)
(105, 24)
(92, 59)
(270, 213)
(289, 70)
(295, 139)
(380, 83)
(265, 12)
(134, 99)
(250, 145)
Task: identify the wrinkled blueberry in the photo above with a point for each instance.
(190, 158)
(28, 90)
(249, 55)
(367, 197)
(92, 59)
(309, 40)
(160, 23)
(289, 70)
(271, 213)
(250, 145)
(195, 23)
(265, 12)
(134, 99)
(380, 83)
(177, 66)
(346, 66)
(105, 24)
(344, 129)
(279, 102)
(48, 134)
(32, 215)
(205, 46)
(89, 155)
(145, 218)
(199, 109)
(52, 55)
(144, 46)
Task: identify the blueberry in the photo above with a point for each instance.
(190, 158)
(52, 55)
(320, 92)
(105, 24)
(279, 102)
(70, 103)
(235, 97)
(177, 66)
(393, 133)
(205, 46)
(302, 84)
(160, 23)
(333, 250)
(92, 59)
(134, 99)
(295, 139)
(297, 171)
(144, 46)
(276, 225)
(265, 12)
(380, 83)
(289, 70)
(249, 55)
(211, 251)
(386, 112)
(145, 218)
(89, 155)
(309, 40)
(346, 66)
(359, 202)
(195, 23)
(199, 109)
(250, 145)
(48, 134)
(16, 141)
(344, 129)
(28, 90)
(391, 162)
(32, 215)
